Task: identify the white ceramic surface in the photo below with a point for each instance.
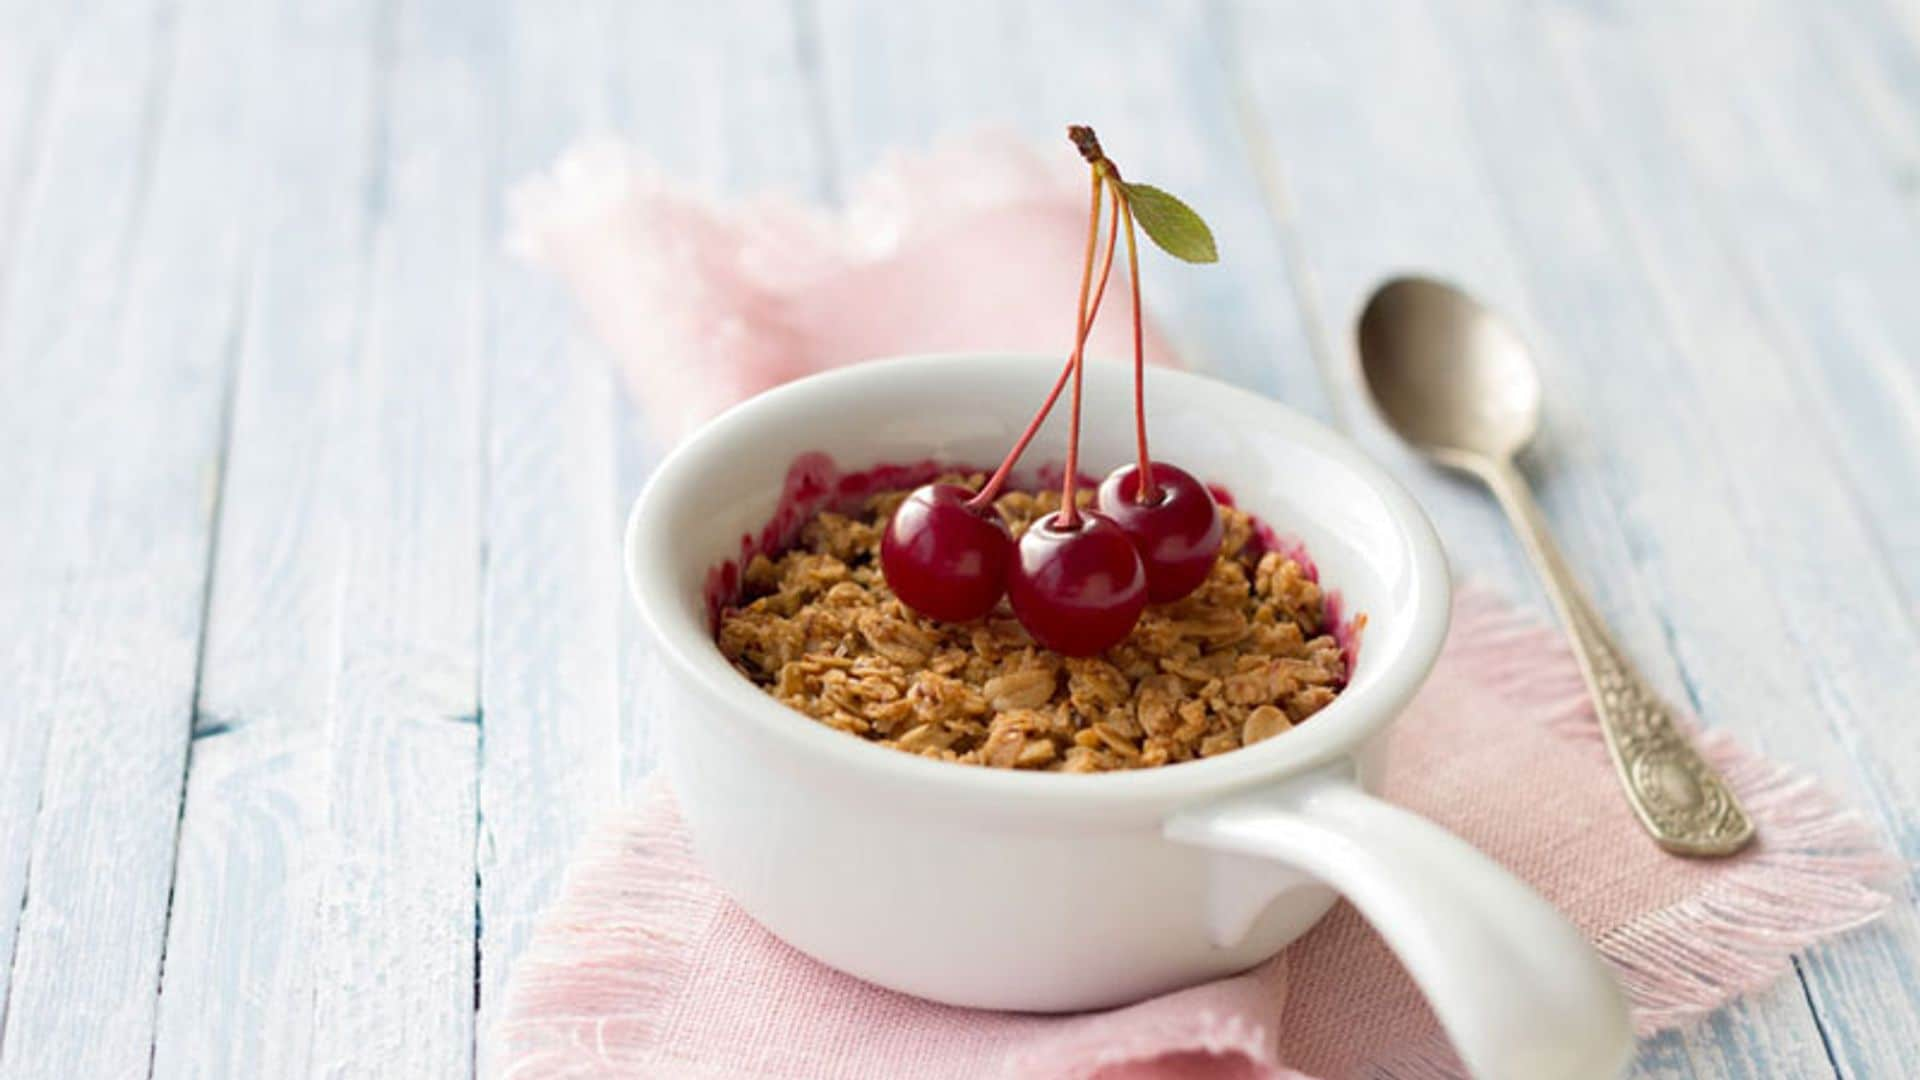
(1049, 892)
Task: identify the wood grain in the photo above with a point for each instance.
(324, 901)
(394, 956)
(315, 660)
(114, 355)
(255, 848)
(1847, 116)
(550, 670)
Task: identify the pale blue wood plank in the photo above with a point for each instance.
(1871, 50)
(550, 749)
(253, 858)
(720, 97)
(270, 638)
(395, 950)
(325, 904)
(115, 355)
(27, 60)
(29, 53)
(1835, 89)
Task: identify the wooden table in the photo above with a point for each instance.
(314, 656)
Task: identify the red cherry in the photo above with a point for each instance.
(945, 558)
(1178, 534)
(1078, 589)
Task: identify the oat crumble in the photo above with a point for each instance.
(1243, 658)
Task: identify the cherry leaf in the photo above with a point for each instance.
(1171, 224)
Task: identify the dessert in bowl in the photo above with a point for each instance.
(1250, 649)
(1041, 890)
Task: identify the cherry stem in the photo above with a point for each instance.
(998, 481)
(1148, 492)
(1069, 517)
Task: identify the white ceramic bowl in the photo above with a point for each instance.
(1051, 892)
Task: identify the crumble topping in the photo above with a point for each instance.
(1244, 658)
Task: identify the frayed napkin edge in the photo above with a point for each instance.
(1737, 937)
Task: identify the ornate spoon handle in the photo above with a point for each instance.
(1680, 799)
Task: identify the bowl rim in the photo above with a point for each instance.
(1337, 731)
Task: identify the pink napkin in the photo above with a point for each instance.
(974, 245)
(642, 968)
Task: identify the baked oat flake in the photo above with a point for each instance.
(1245, 657)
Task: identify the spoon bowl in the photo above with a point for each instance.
(1446, 373)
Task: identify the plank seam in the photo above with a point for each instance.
(19, 919)
(235, 347)
(383, 52)
(485, 351)
(1819, 1022)
(479, 839)
(158, 84)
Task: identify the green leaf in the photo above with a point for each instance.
(1172, 224)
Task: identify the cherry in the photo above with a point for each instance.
(1077, 580)
(1168, 514)
(1176, 528)
(1077, 584)
(943, 556)
(945, 552)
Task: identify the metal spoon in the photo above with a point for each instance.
(1451, 379)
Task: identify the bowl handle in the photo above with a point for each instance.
(1517, 988)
